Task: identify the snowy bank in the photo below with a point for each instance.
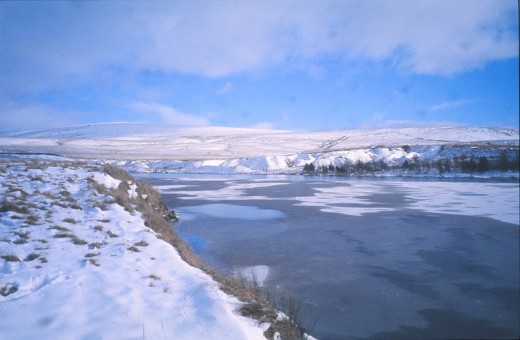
(430, 151)
(419, 160)
(79, 261)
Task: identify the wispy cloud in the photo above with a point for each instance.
(59, 53)
(168, 114)
(450, 105)
(227, 87)
(215, 39)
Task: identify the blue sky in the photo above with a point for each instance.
(295, 65)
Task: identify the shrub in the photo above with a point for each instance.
(10, 258)
(65, 193)
(78, 241)
(24, 236)
(157, 217)
(8, 206)
(95, 245)
(8, 289)
(57, 227)
(141, 243)
(31, 220)
(117, 173)
(49, 195)
(31, 257)
(111, 234)
(63, 235)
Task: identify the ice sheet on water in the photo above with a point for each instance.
(499, 201)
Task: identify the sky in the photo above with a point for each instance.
(292, 65)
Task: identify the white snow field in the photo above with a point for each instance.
(76, 265)
(162, 148)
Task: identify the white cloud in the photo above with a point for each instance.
(169, 115)
(227, 87)
(450, 105)
(68, 42)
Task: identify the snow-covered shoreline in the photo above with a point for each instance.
(418, 161)
(76, 264)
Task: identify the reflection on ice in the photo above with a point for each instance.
(243, 212)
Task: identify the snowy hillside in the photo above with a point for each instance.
(78, 263)
(146, 147)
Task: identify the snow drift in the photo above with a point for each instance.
(76, 264)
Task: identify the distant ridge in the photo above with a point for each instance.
(154, 142)
(133, 129)
(122, 129)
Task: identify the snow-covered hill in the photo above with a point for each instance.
(148, 147)
(74, 264)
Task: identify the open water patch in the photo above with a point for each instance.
(217, 210)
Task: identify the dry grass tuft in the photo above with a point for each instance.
(77, 241)
(32, 220)
(24, 236)
(59, 228)
(94, 245)
(8, 206)
(8, 289)
(111, 234)
(63, 235)
(11, 258)
(141, 243)
(31, 257)
(159, 218)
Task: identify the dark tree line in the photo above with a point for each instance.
(507, 161)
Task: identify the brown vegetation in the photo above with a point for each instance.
(159, 218)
